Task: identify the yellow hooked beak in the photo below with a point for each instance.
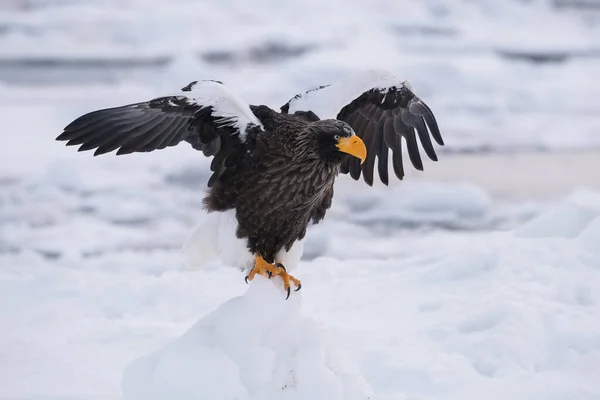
(354, 146)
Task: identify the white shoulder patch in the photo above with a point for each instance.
(228, 107)
(329, 100)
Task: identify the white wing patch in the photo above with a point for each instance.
(328, 101)
(228, 108)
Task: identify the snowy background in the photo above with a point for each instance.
(476, 278)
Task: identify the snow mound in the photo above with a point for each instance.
(568, 220)
(564, 221)
(590, 237)
(256, 346)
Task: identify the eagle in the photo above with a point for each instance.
(275, 170)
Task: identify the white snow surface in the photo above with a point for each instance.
(496, 316)
(133, 27)
(255, 346)
(91, 281)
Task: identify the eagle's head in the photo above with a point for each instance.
(336, 140)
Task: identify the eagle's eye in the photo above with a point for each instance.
(337, 137)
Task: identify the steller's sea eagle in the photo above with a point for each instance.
(275, 170)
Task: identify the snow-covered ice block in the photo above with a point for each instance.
(253, 347)
(459, 199)
(568, 220)
(590, 237)
(585, 198)
(410, 204)
(565, 221)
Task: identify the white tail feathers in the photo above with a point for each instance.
(214, 241)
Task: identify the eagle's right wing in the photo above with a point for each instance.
(206, 115)
(383, 111)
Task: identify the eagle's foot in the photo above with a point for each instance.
(287, 279)
(269, 270)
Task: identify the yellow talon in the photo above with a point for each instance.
(269, 270)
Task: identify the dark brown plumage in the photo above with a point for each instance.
(283, 181)
(276, 170)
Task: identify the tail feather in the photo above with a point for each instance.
(214, 241)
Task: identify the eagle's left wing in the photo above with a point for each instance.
(205, 114)
(382, 110)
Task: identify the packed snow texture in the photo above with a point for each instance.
(427, 314)
(256, 346)
(496, 316)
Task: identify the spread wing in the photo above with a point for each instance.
(205, 114)
(382, 110)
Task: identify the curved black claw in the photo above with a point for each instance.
(288, 293)
(299, 287)
(280, 265)
(270, 274)
(246, 279)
